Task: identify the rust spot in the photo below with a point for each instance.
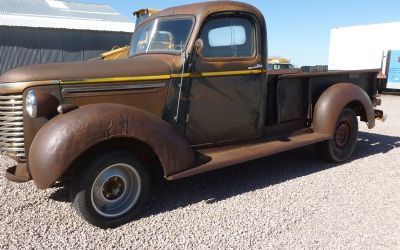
(109, 127)
(126, 124)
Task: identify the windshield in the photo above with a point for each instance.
(141, 18)
(161, 35)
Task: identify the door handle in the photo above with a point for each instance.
(258, 66)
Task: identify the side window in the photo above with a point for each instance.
(228, 37)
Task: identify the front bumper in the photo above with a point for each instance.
(18, 173)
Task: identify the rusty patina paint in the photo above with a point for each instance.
(62, 140)
(334, 100)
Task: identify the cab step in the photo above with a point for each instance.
(219, 157)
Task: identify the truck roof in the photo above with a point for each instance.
(202, 10)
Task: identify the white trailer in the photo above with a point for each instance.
(362, 47)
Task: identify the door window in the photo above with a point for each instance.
(228, 37)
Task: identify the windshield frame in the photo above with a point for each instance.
(175, 17)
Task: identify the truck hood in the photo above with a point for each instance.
(146, 65)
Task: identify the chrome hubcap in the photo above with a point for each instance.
(116, 190)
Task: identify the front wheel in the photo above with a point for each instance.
(342, 145)
(111, 190)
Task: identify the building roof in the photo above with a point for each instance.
(62, 15)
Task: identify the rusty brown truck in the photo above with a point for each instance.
(194, 95)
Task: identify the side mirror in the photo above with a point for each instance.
(198, 47)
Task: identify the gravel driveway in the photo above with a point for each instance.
(290, 200)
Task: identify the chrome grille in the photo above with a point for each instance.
(11, 126)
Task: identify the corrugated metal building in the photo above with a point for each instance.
(45, 31)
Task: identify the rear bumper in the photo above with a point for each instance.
(18, 173)
(380, 115)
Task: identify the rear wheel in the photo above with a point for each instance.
(111, 190)
(342, 145)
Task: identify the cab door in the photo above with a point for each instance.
(226, 96)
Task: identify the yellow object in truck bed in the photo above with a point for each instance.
(116, 53)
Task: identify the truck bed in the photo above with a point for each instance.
(292, 94)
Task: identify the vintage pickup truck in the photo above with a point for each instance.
(201, 101)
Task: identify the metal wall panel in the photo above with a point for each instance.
(2, 37)
(24, 46)
(51, 44)
(92, 44)
(28, 47)
(72, 46)
(114, 39)
(9, 56)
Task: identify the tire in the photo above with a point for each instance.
(341, 147)
(111, 190)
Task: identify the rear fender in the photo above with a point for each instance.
(66, 137)
(334, 100)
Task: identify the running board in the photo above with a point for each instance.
(220, 157)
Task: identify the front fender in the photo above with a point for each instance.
(334, 100)
(63, 139)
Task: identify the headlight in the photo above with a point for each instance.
(41, 104)
(31, 104)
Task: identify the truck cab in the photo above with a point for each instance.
(194, 95)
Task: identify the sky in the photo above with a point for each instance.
(297, 29)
